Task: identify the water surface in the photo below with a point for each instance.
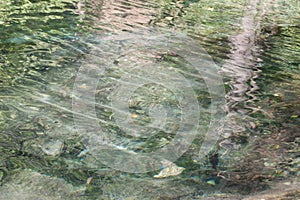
(45, 44)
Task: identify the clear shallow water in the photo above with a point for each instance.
(43, 45)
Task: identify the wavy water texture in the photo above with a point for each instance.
(243, 64)
(44, 43)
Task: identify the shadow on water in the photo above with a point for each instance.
(44, 44)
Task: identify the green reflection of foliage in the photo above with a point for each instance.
(39, 41)
(212, 21)
(35, 36)
(204, 17)
(214, 17)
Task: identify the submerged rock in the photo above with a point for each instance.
(53, 147)
(170, 169)
(29, 185)
(281, 191)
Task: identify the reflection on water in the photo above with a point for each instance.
(121, 15)
(43, 45)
